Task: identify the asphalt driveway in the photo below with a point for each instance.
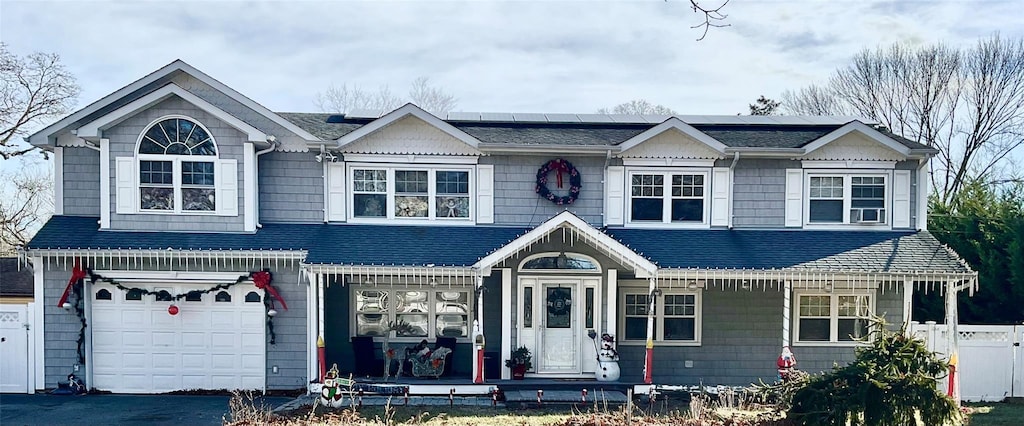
(43, 409)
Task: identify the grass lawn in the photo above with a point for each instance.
(996, 414)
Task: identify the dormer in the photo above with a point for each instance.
(856, 177)
(409, 167)
(668, 178)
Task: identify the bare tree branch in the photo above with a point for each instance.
(713, 17)
(26, 202)
(345, 98)
(968, 103)
(638, 107)
(32, 89)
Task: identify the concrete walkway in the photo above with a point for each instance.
(177, 410)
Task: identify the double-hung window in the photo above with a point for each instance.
(676, 316)
(177, 163)
(832, 318)
(406, 193)
(430, 313)
(668, 197)
(845, 199)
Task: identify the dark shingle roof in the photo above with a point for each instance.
(15, 280)
(881, 251)
(330, 127)
(877, 251)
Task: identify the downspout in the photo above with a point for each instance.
(256, 165)
(732, 184)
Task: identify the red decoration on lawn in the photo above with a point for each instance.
(173, 310)
(77, 274)
(261, 280)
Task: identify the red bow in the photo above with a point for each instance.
(261, 280)
(559, 166)
(77, 274)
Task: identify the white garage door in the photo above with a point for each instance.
(216, 341)
(13, 348)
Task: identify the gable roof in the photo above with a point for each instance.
(670, 125)
(407, 110)
(857, 127)
(146, 84)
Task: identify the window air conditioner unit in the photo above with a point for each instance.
(867, 215)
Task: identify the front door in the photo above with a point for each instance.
(559, 338)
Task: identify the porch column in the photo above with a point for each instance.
(952, 332)
(787, 300)
(320, 314)
(612, 306)
(478, 329)
(649, 360)
(908, 304)
(506, 320)
(312, 365)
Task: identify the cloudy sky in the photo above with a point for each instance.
(567, 56)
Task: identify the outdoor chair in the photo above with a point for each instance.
(447, 342)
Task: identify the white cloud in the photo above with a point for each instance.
(507, 56)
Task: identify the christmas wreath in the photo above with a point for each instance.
(559, 302)
(559, 166)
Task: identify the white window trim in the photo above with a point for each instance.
(659, 317)
(847, 176)
(390, 169)
(176, 161)
(431, 311)
(666, 213)
(833, 315)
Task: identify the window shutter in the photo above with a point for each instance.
(485, 193)
(901, 199)
(794, 197)
(720, 196)
(126, 188)
(227, 188)
(336, 192)
(614, 200)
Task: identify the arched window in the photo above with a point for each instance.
(177, 167)
(252, 296)
(103, 294)
(560, 262)
(222, 296)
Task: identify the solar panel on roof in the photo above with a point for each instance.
(655, 118)
(497, 116)
(364, 113)
(562, 118)
(529, 117)
(464, 116)
(627, 118)
(594, 118)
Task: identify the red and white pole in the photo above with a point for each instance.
(321, 354)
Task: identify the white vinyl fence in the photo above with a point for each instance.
(991, 361)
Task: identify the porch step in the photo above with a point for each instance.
(559, 397)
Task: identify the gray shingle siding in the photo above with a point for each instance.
(291, 188)
(517, 203)
(741, 339)
(81, 182)
(61, 327)
(123, 138)
(759, 193)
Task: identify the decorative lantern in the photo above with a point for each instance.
(173, 310)
(271, 312)
(66, 305)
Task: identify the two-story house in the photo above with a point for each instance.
(705, 244)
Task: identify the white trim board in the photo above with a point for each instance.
(677, 124)
(400, 113)
(864, 129)
(92, 129)
(41, 138)
(642, 266)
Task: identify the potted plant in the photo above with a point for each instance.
(520, 362)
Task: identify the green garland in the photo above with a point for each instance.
(94, 277)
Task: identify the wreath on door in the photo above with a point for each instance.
(559, 302)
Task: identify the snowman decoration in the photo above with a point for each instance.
(607, 360)
(331, 393)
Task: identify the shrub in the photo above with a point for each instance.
(891, 381)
